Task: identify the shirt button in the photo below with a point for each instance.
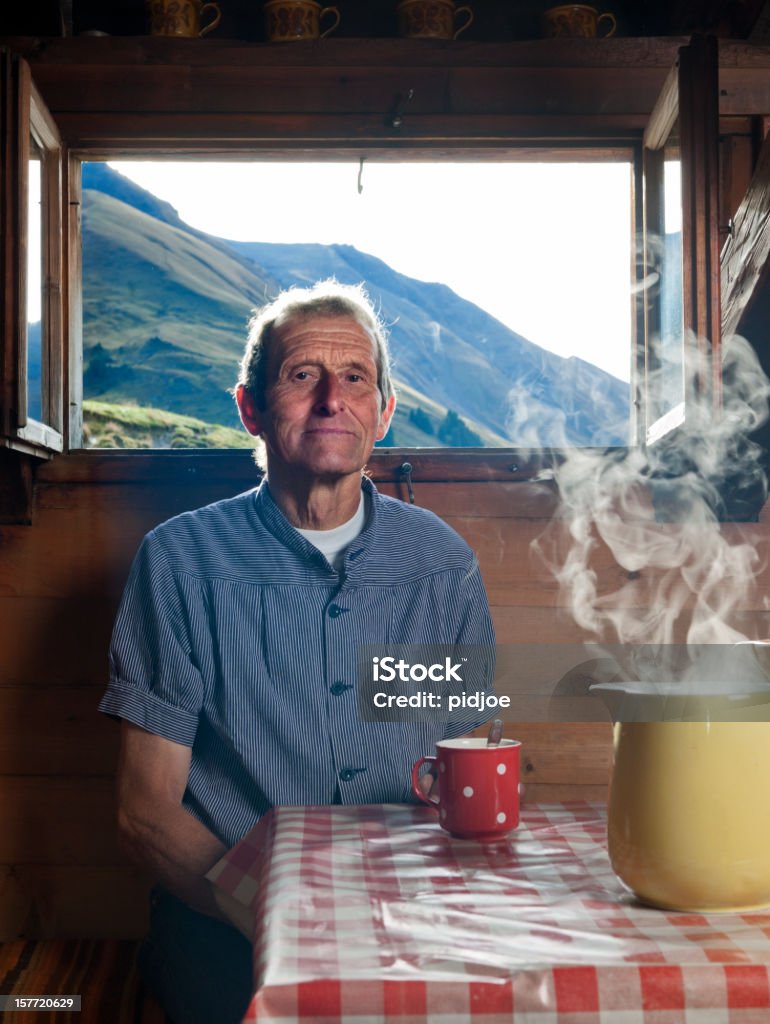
(338, 688)
(335, 611)
(347, 774)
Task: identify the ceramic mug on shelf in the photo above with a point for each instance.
(182, 17)
(431, 19)
(577, 20)
(289, 20)
(478, 787)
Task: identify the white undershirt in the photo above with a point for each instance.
(333, 544)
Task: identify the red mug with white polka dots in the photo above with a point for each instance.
(478, 786)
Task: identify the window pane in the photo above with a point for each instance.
(34, 285)
(506, 288)
(672, 323)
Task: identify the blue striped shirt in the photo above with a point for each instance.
(237, 638)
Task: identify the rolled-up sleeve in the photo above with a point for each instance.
(154, 680)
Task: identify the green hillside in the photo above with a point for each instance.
(164, 315)
(108, 425)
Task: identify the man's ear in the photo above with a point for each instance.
(385, 417)
(251, 417)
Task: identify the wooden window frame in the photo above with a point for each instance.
(215, 132)
(690, 97)
(427, 463)
(25, 116)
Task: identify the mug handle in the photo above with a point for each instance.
(613, 24)
(212, 24)
(469, 21)
(416, 781)
(336, 13)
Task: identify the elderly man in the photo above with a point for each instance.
(235, 651)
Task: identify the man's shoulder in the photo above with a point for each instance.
(418, 533)
(214, 526)
(225, 510)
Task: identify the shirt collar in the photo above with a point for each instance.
(276, 522)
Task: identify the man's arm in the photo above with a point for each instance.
(155, 828)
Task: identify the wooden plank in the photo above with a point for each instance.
(57, 820)
(56, 730)
(487, 500)
(760, 32)
(55, 901)
(16, 486)
(262, 90)
(520, 624)
(70, 555)
(13, 218)
(556, 757)
(745, 266)
(618, 52)
(73, 306)
(664, 113)
(75, 634)
(85, 552)
(736, 168)
(744, 91)
(576, 754)
(203, 467)
(699, 140)
(537, 793)
(114, 134)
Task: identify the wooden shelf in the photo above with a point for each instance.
(226, 95)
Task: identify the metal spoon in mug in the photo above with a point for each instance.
(495, 733)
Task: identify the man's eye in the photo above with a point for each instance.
(302, 375)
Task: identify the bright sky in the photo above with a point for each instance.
(543, 247)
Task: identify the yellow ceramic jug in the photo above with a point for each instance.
(688, 823)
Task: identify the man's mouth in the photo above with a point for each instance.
(328, 431)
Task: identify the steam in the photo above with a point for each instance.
(435, 334)
(637, 545)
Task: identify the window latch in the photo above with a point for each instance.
(396, 117)
(405, 469)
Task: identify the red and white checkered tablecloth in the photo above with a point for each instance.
(368, 914)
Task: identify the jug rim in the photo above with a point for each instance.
(684, 700)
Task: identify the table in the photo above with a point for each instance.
(374, 913)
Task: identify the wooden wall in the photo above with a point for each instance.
(60, 578)
(60, 581)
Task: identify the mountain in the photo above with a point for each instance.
(462, 357)
(165, 309)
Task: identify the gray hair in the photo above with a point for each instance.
(325, 299)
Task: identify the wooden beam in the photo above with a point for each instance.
(699, 142)
(16, 486)
(760, 33)
(745, 266)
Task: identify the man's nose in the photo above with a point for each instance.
(329, 395)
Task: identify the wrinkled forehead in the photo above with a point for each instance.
(338, 336)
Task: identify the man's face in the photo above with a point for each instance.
(323, 408)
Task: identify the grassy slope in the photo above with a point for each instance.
(108, 425)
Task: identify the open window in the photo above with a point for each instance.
(683, 128)
(681, 243)
(32, 385)
(504, 280)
